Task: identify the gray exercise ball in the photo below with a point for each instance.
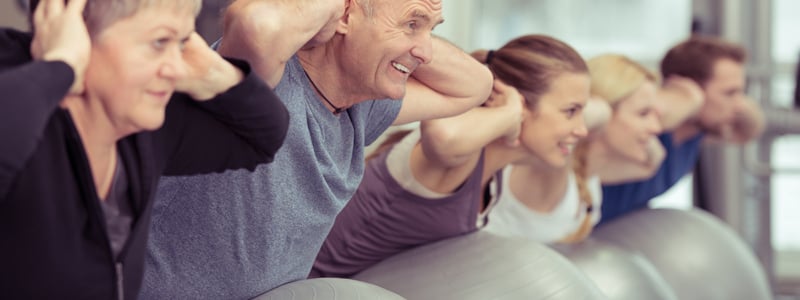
(698, 255)
(482, 266)
(619, 273)
(328, 289)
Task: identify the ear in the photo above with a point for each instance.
(344, 22)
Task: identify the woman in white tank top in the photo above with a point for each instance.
(550, 204)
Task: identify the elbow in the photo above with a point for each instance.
(274, 135)
(484, 86)
(440, 142)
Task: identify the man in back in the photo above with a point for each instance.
(239, 234)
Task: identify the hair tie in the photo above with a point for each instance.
(489, 56)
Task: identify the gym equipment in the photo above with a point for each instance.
(619, 273)
(482, 266)
(328, 289)
(697, 255)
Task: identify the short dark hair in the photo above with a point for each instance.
(695, 57)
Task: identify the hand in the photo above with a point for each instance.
(480, 55)
(207, 73)
(61, 35)
(687, 88)
(335, 9)
(509, 99)
(597, 113)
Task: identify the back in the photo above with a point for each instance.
(239, 234)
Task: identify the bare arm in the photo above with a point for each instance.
(451, 84)
(626, 171)
(450, 142)
(679, 99)
(266, 33)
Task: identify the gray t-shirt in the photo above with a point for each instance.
(238, 234)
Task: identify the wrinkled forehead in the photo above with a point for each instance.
(430, 9)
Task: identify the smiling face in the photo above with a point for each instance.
(554, 126)
(135, 63)
(633, 123)
(381, 51)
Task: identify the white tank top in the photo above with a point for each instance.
(512, 218)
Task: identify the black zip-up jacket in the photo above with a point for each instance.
(53, 241)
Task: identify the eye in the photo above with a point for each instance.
(160, 44)
(182, 44)
(645, 112)
(572, 111)
(412, 25)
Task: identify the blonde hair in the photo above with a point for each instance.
(614, 77)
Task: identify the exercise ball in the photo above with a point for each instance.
(328, 289)
(698, 255)
(619, 273)
(482, 266)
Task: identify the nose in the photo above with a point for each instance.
(423, 48)
(654, 124)
(580, 131)
(173, 67)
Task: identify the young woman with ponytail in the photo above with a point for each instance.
(441, 180)
(562, 204)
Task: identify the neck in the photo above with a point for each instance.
(327, 78)
(539, 187)
(99, 139)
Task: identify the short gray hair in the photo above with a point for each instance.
(100, 14)
(367, 5)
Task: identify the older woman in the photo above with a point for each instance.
(91, 120)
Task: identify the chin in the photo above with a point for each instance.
(557, 162)
(151, 124)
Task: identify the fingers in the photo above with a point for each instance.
(500, 86)
(53, 7)
(76, 6)
(38, 14)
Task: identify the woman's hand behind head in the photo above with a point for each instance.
(60, 34)
(512, 102)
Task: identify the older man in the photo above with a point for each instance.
(238, 234)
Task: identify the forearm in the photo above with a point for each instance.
(454, 73)
(452, 83)
(31, 94)
(267, 33)
(240, 128)
(677, 107)
(623, 171)
(449, 140)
